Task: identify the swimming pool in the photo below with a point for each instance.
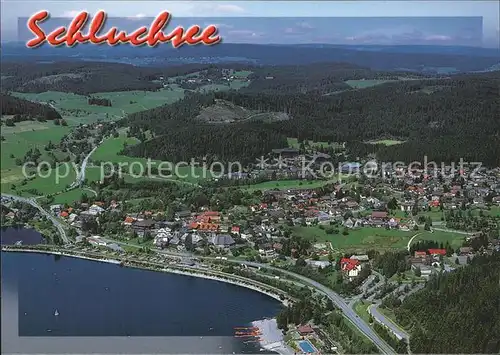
(306, 347)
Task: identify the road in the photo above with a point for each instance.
(401, 334)
(411, 240)
(49, 216)
(333, 296)
(80, 177)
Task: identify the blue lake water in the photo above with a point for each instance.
(99, 299)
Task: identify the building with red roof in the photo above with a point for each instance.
(437, 251)
(420, 254)
(351, 267)
(305, 329)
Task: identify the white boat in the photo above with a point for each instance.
(56, 313)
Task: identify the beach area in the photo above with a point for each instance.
(272, 337)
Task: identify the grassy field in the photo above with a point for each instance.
(288, 184)
(362, 84)
(454, 239)
(387, 142)
(75, 108)
(233, 85)
(361, 309)
(18, 141)
(108, 152)
(69, 197)
(242, 73)
(376, 238)
(294, 143)
(363, 239)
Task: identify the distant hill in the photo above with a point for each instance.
(23, 110)
(442, 119)
(416, 58)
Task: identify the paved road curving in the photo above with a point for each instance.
(49, 216)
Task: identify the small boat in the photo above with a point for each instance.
(56, 313)
(49, 330)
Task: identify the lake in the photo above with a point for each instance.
(10, 235)
(99, 299)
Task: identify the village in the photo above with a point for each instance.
(375, 239)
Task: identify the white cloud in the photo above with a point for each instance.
(245, 33)
(228, 8)
(218, 25)
(71, 13)
(437, 38)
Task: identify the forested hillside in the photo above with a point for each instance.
(87, 77)
(443, 119)
(25, 110)
(180, 135)
(319, 79)
(457, 312)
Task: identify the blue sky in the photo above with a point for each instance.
(375, 22)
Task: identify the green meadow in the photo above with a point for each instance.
(109, 151)
(374, 238)
(75, 108)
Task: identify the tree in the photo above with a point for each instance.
(457, 261)
(392, 204)
(418, 272)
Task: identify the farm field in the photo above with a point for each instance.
(108, 152)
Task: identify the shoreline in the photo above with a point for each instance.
(194, 272)
(272, 338)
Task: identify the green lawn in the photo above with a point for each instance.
(361, 309)
(454, 239)
(359, 239)
(435, 213)
(69, 197)
(288, 184)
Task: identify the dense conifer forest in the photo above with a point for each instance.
(26, 110)
(458, 312)
(443, 119)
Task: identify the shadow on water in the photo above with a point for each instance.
(17, 233)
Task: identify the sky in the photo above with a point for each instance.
(458, 22)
